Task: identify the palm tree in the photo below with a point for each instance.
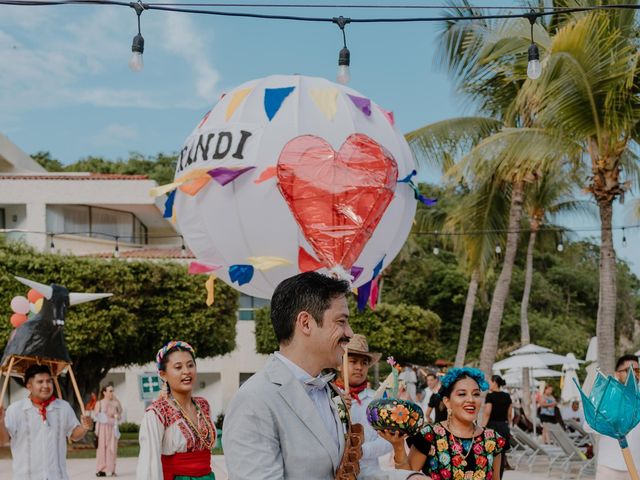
(589, 92)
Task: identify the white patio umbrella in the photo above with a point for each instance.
(569, 388)
(513, 377)
(533, 360)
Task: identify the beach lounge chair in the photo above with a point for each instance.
(534, 450)
(573, 456)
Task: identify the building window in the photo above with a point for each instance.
(244, 377)
(249, 305)
(3, 223)
(96, 222)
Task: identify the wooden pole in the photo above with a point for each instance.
(6, 381)
(57, 384)
(76, 390)
(345, 371)
(628, 459)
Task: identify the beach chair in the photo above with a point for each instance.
(534, 450)
(573, 456)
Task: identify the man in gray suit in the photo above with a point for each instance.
(282, 423)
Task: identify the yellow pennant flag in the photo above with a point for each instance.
(209, 286)
(236, 100)
(266, 262)
(325, 100)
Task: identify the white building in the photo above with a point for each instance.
(107, 215)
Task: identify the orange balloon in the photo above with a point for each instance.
(34, 296)
(18, 319)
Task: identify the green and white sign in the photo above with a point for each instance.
(149, 384)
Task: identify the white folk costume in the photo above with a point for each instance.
(171, 446)
(39, 438)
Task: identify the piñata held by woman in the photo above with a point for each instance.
(456, 448)
(177, 433)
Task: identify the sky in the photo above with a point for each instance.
(65, 86)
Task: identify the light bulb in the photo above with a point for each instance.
(560, 247)
(436, 250)
(136, 63)
(344, 60)
(624, 241)
(498, 249)
(343, 76)
(534, 69)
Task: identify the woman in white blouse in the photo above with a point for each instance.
(176, 434)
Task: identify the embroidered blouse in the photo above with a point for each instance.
(450, 457)
(164, 431)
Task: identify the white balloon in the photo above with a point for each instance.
(225, 225)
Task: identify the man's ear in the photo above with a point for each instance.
(305, 323)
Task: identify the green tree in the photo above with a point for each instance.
(152, 303)
(589, 92)
(49, 163)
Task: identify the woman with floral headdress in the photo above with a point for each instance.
(456, 448)
(176, 434)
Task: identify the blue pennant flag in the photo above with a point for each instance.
(168, 204)
(378, 268)
(273, 98)
(408, 178)
(429, 202)
(241, 274)
(364, 292)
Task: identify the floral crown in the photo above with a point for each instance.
(454, 374)
(172, 344)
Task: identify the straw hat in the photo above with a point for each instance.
(358, 345)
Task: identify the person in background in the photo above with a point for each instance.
(436, 408)
(38, 428)
(547, 405)
(433, 385)
(360, 360)
(106, 413)
(408, 376)
(610, 463)
(498, 413)
(177, 432)
(573, 412)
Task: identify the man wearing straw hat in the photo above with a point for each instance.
(360, 359)
(38, 428)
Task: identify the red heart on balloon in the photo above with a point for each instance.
(337, 198)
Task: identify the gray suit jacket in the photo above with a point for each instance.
(272, 431)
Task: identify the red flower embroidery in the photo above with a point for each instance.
(477, 448)
(481, 461)
(428, 437)
(457, 460)
(444, 473)
(501, 442)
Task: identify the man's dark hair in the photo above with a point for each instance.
(306, 292)
(626, 358)
(431, 374)
(33, 370)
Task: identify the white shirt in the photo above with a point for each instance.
(374, 446)
(319, 397)
(569, 413)
(39, 449)
(609, 452)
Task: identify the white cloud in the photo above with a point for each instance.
(70, 56)
(115, 134)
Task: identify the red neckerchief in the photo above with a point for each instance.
(354, 390)
(42, 405)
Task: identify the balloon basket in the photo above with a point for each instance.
(17, 365)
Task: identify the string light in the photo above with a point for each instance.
(560, 246)
(344, 57)
(183, 249)
(116, 252)
(534, 69)
(498, 249)
(137, 48)
(624, 238)
(52, 245)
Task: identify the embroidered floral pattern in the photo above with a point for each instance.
(168, 414)
(449, 457)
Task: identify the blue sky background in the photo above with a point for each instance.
(65, 86)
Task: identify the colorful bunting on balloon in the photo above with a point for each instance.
(209, 286)
(225, 175)
(235, 102)
(273, 98)
(241, 274)
(364, 292)
(325, 100)
(429, 202)
(389, 115)
(373, 297)
(196, 268)
(356, 272)
(378, 268)
(266, 174)
(266, 263)
(168, 204)
(192, 187)
(363, 104)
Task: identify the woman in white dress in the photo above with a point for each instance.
(177, 433)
